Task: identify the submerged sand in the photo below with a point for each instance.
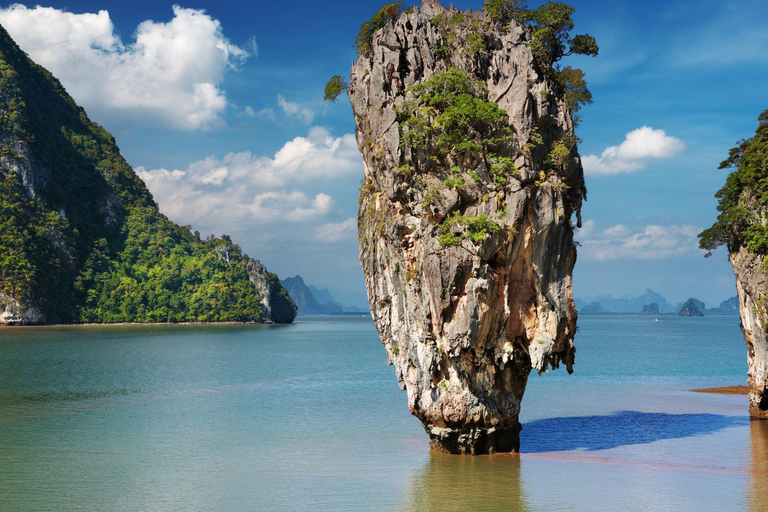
(727, 390)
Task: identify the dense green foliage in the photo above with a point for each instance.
(456, 228)
(449, 115)
(335, 87)
(364, 41)
(743, 206)
(166, 274)
(552, 24)
(502, 12)
(31, 266)
(80, 235)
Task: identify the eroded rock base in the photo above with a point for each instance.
(758, 406)
(477, 441)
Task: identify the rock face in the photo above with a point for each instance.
(275, 301)
(13, 313)
(465, 322)
(752, 288)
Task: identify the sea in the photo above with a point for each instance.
(309, 417)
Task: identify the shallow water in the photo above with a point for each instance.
(309, 417)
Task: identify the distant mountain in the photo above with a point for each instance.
(728, 307)
(324, 297)
(692, 307)
(350, 299)
(301, 294)
(593, 307)
(651, 303)
(312, 300)
(630, 303)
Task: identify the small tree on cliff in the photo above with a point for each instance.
(502, 12)
(335, 87)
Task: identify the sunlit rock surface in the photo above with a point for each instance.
(752, 287)
(464, 325)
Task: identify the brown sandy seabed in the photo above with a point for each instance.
(725, 390)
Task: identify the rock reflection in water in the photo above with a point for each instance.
(459, 483)
(758, 488)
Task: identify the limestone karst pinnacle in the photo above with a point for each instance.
(467, 257)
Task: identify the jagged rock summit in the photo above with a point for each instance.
(81, 238)
(465, 226)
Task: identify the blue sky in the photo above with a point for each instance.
(219, 106)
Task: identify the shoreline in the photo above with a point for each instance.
(725, 390)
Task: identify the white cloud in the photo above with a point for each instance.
(171, 74)
(293, 207)
(336, 232)
(265, 113)
(653, 242)
(633, 154)
(242, 188)
(304, 114)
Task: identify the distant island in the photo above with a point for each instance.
(311, 300)
(652, 303)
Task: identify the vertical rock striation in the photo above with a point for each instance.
(752, 287)
(468, 262)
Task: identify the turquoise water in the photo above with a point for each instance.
(309, 417)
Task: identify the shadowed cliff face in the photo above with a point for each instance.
(752, 286)
(467, 258)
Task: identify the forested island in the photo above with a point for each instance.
(81, 238)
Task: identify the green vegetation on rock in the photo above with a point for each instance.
(743, 206)
(456, 228)
(82, 239)
(335, 87)
(364, 41)
(449, 115)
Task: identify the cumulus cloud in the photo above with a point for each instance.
(297, 110)
(171, 74)
(633, 154)
(336, 232)
(244, 188)
(653, 242)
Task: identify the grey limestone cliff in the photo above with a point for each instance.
(466, 318)
(13, 313)
(277, 305)
(752, 288)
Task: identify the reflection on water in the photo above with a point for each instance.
(623, 428)
(461, 483)
(758, 489)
